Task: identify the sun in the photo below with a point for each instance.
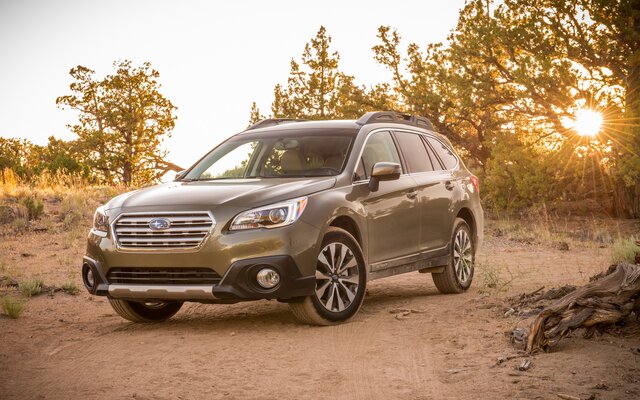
(587, 122)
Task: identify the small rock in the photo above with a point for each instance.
(402, 316)
(509, 312)
(567, 397)
(232, 333)
(524, 365)
(26, 255)
(519, 335)
(454, 370)
(602, 386)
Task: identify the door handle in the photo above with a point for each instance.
(449, 185)
(412, 194)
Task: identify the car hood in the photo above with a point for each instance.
(234, 192)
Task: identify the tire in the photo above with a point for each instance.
(144, 312)
(341, 279)
(458, 273)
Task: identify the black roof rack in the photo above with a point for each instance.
(395, 117)
(263, 123)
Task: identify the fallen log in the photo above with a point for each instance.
(600, 303)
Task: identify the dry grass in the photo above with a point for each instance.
(625, 250)
(12, 307)
(52, 203)
(31, 287)
(71, 288)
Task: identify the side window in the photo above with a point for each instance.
(360, 173)
(379, 147)
(414, 151)
(437, 165)
(448, 158)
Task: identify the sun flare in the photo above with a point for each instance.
(587, 122)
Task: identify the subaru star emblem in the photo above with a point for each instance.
(159, 224)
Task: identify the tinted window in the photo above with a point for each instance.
(414, 151)
(360, 173)
(437, 165)
(379, 147)
(444, 153)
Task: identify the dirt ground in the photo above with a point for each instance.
(66, 346)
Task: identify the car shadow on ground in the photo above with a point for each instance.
(272, 315)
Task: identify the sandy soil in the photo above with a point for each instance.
(67, 346)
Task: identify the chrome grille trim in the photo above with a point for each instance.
(188, 231)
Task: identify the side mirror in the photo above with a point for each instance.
(180, 175)
(383, 171)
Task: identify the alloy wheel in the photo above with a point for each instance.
(462, 256)
(337, 277)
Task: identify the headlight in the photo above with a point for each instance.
(101, 220)
(271, 216)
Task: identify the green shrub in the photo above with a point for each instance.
(31, 287)
(625, 250)
(12, 307)
(19, 225)
(35, 207)
(71, 288)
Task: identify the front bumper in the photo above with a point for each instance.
(234, 256)
(239, 284)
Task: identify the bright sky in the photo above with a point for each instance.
(214, 58)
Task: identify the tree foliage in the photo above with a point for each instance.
(317, 89)
(505, 88)
(511, 79)
(123, 120)
(28, 160)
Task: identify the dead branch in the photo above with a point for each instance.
(600, 303)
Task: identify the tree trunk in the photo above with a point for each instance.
(597, 304)
(626, 200)
(627, 197)
(126, 173)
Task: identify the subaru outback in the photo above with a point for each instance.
(304, 212)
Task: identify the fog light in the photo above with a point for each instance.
(88, 278)
(268, 278)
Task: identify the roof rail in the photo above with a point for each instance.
(263, 123)
(395, 117)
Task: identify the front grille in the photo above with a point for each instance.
(186, 231)
(164, 276)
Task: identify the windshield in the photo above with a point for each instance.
(296, 156)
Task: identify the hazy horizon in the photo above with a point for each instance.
(214, 59)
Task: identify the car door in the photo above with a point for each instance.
(433, 198)
(393, 228)
(443, 198)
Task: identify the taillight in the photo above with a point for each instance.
(476, 182)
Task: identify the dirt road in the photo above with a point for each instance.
(76, 347)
